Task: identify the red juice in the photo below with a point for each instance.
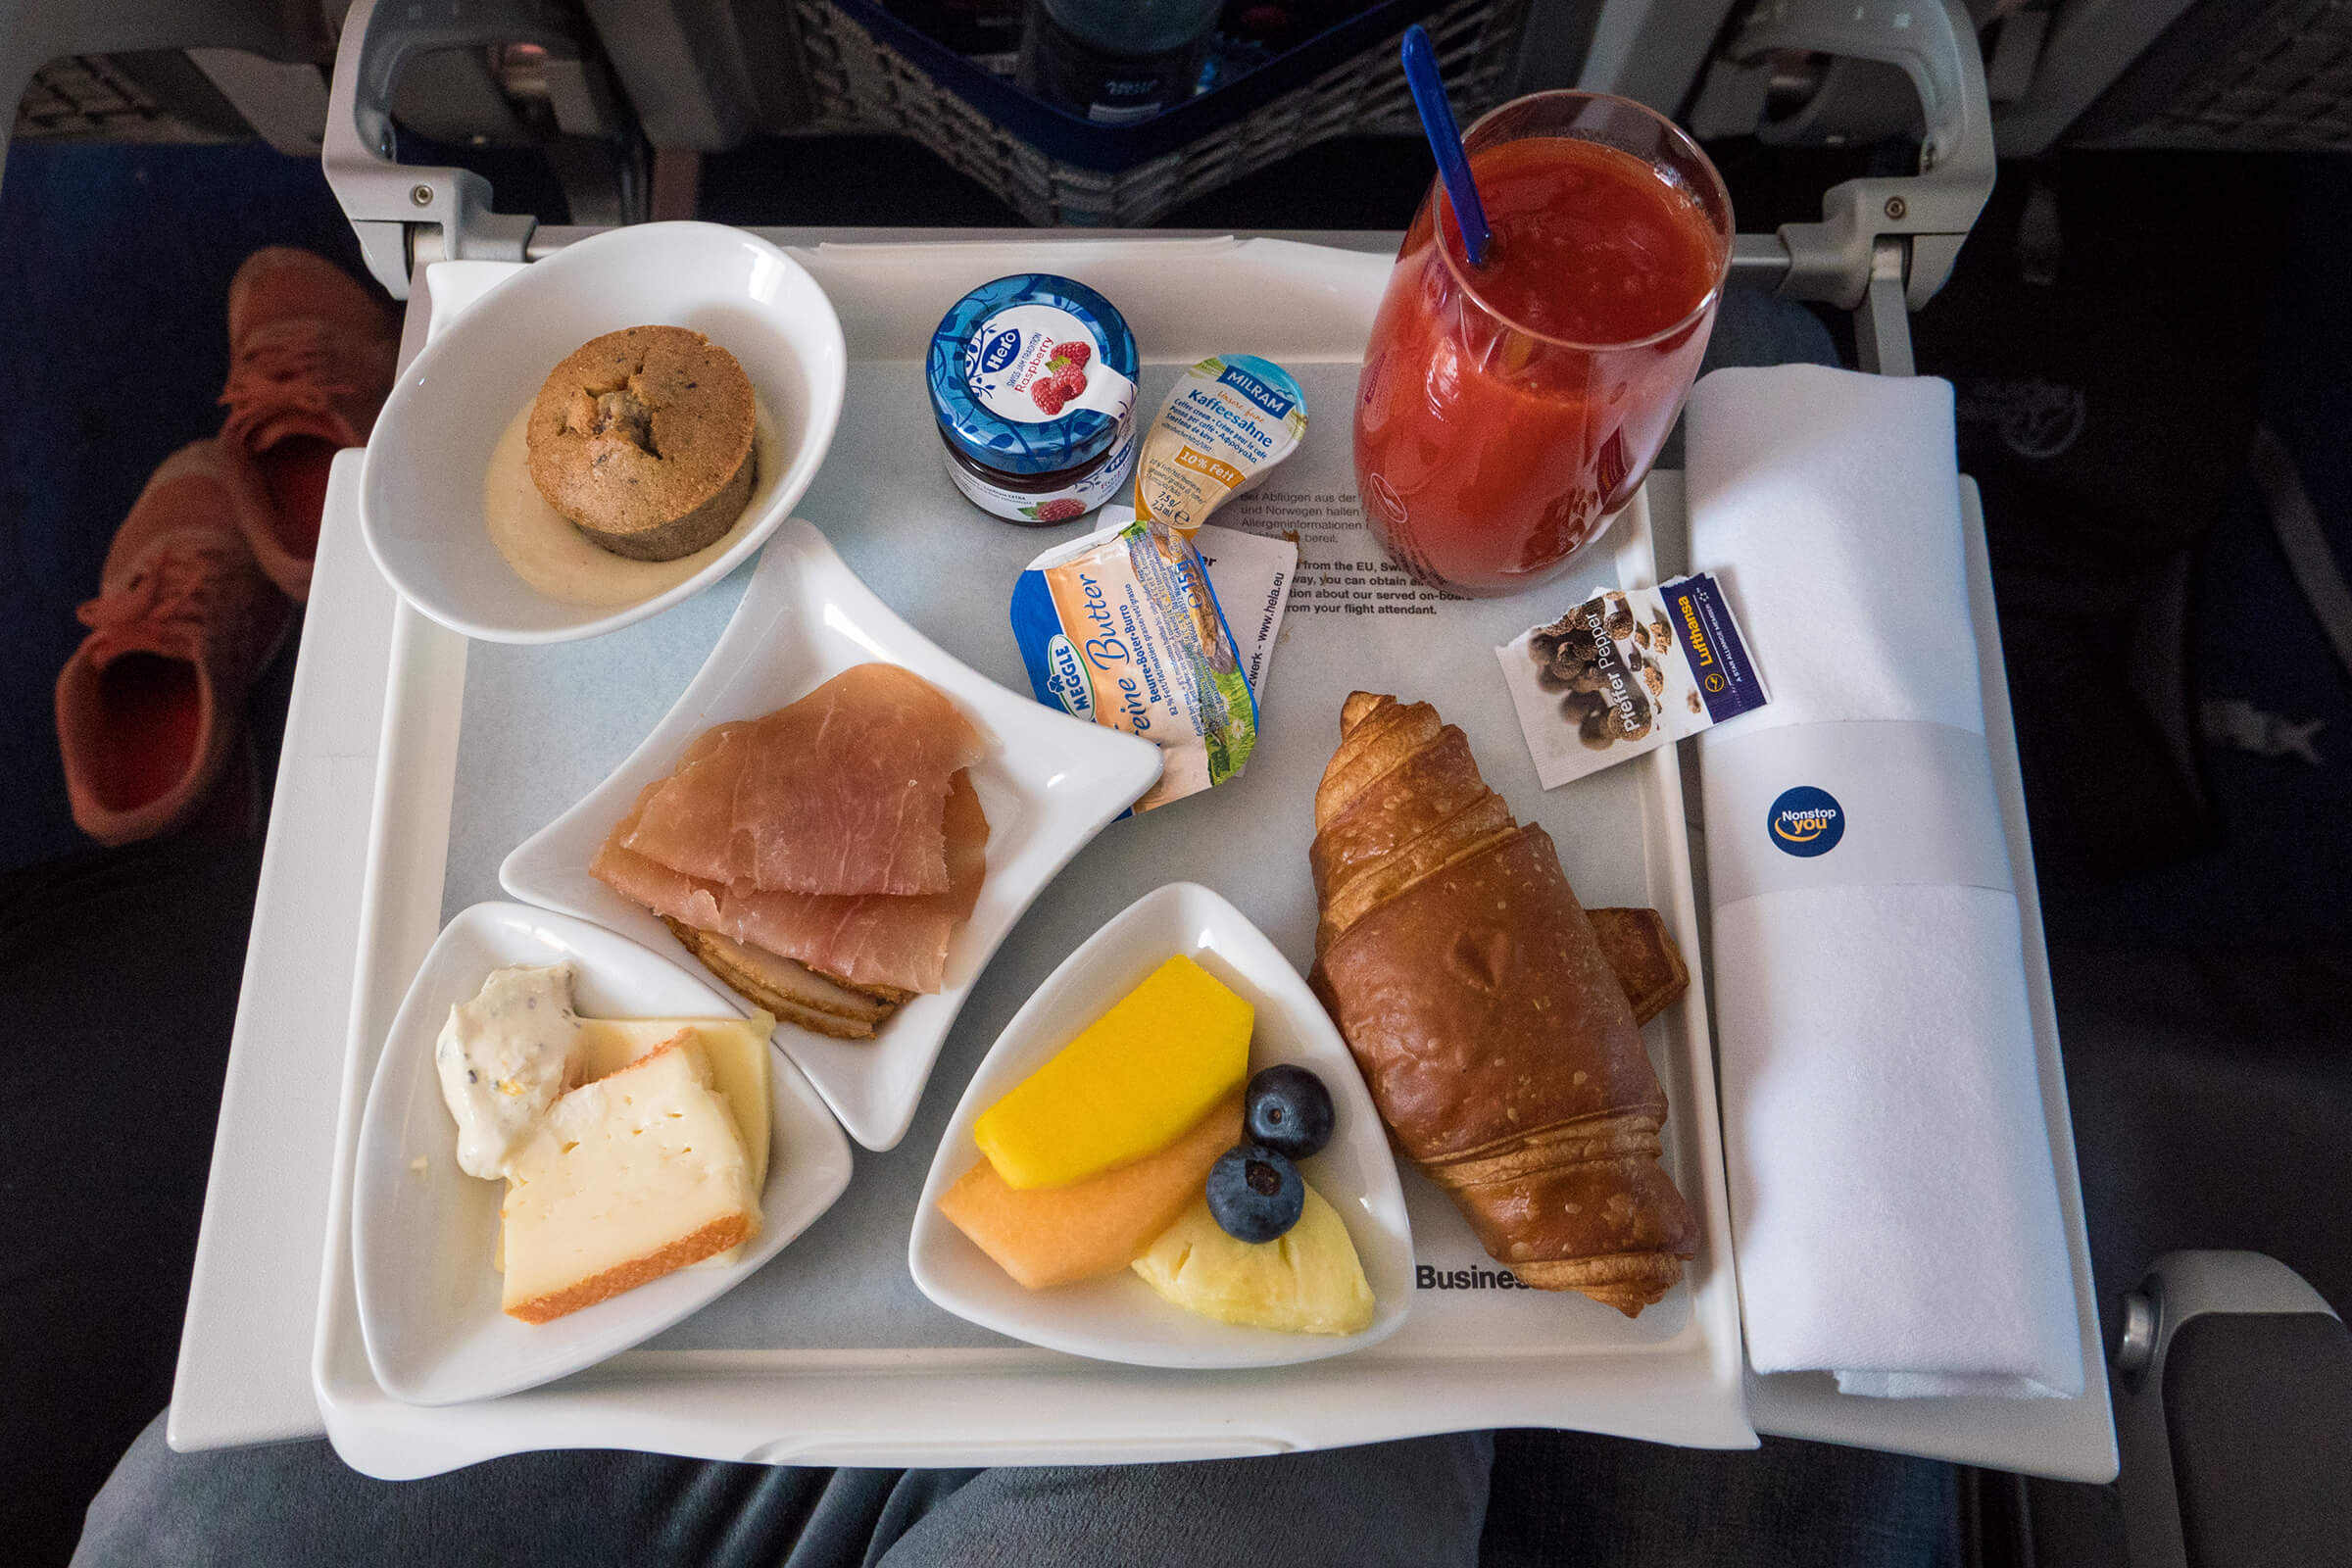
(1504, 412)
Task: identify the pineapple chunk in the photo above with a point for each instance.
(1305, 1281)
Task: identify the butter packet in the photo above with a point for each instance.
(1627, 671)
(1125, 627)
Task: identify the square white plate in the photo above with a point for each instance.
(1120, 1318)
(423, 1235)
(1049, 784)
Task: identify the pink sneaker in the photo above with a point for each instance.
(150, 707)
(311, 359)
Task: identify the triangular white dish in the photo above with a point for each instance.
(423, 1233)
(1120, 1318)
(1049, 784)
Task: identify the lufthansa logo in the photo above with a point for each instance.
(1805, 821)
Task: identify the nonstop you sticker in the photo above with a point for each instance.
(1805, 821)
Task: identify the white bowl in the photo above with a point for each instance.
(1048, 783)
(422, 482)
(423, 1231)
(1120, 1318)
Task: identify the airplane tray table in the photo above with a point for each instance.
(829, 1354)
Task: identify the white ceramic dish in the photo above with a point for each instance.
(423, 1234)
(1049, 784)
(422, 485)
(1121, 1318)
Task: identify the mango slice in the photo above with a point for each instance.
(1129, 1085)
(1044, 1236)
(1305, 1281)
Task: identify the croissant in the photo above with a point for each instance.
(1498, 1041)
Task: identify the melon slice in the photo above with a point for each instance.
(1045, 1236)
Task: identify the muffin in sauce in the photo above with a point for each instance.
(643, 439)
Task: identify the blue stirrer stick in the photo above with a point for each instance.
(1445, 140)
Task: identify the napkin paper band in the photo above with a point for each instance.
(1853, 804)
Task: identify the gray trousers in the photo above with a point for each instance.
(1509, 1500)
(1417, 1504)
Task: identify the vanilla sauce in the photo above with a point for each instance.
(551, 555)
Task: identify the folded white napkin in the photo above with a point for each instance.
(1894, 1204)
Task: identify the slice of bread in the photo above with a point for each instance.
(790, 988)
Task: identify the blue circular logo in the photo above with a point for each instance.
(1805, 821)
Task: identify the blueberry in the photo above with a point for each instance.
(1254, 1194)
(1286, 1109)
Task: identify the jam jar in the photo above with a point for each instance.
(1032, 383)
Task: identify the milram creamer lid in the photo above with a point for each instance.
(1227, 422)
(1123, 626)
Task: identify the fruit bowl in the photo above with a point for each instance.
(1120, 1318)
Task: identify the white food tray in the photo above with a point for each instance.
(830, 1354)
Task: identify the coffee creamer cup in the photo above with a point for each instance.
(1228, 420)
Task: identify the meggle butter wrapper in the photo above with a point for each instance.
(1123, 627)
(1228, 421)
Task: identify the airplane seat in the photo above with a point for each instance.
(2234, 1415)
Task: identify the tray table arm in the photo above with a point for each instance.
(1902, 229)
(406, 214)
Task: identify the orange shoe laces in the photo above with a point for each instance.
(179, 593)
(293, 368)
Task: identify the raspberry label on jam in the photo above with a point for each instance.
(1030, 362)
(1066, 504)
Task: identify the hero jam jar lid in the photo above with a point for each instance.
(1032, 373)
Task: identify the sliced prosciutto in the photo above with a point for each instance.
(883, 943)
(687, 821)
(873, 940)
(642, 879)
(840, 793)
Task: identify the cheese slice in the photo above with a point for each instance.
(629, 1177)
(738, 1049)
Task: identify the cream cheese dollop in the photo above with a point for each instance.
(504, 1058)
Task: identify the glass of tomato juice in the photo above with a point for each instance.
(1505, 412)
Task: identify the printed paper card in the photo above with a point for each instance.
(1625, 671)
